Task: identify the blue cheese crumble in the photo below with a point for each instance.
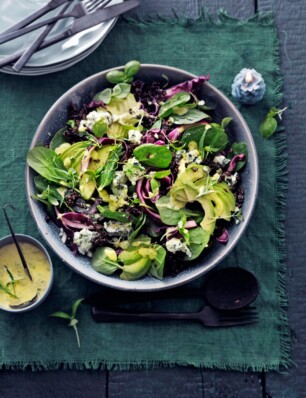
(134, 170)
(135, 136)
(231, 180)
(221, 160)
(83, 240)
(176, 245)
(94, 117)
(116, 228)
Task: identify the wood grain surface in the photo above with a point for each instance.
(189, 382)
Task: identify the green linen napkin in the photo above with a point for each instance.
(220, 48)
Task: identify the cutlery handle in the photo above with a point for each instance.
(101, 315)
(46, 43)
(17, 33)
(36, 44)
(37, 14)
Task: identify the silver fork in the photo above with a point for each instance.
(207, 316)
(78, 11)
(90, 5)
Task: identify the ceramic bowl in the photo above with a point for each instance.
(28, 239)
(82, 93)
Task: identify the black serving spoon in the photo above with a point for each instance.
(25, 266)
(230, 289)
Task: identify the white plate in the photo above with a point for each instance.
(44, 70)
(12, 11)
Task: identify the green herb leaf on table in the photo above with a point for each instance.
(269, 126)
(71, 317)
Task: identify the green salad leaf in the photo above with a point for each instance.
(153, 155)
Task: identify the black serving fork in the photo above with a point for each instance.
(207, 316)
(79, 10)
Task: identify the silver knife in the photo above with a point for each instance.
(80, 25)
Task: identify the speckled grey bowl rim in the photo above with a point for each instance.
(147, 283)
(6, 240)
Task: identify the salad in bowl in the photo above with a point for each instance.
(143, 178)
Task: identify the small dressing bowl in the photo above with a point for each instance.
(41, 271)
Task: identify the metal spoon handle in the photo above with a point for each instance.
(16, 242)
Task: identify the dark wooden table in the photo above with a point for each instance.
(190, 382)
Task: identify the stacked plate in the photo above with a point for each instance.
(54, 58)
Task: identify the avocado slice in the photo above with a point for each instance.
(120, 106)
(136, 270)
(87, 184)
(73, 155)
(193, 173)
(209, 221)
(128, 257)
(185, 193)
(99, 157)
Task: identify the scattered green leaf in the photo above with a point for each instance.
(269, 126)
(71, 317)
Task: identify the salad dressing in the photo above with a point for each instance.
(22, 289)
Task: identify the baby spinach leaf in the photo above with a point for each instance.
(158, 264)
(99, 128)
(157, 124)
(153, 155)
(113, 215)
(104, 260)
(48, 164)
(58, 139)
(121, 90)
(198, 240)
(104, 95)
(225, 122)
(192, 116)
(178, 99)
(193, 134)
(238, 148)
(139, 224)
(170, 216)
(162, 174)
(106, 173)
(215, 139)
